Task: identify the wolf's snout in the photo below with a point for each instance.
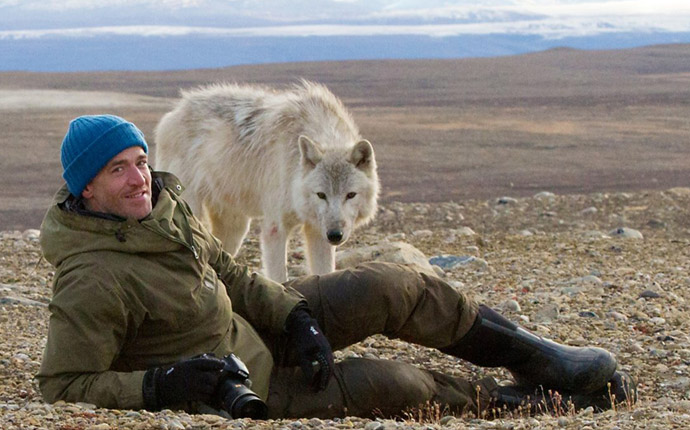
(334, 236)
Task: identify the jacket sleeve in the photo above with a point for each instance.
(261, 301)
(88, 326)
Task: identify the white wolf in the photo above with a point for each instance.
(294, 157)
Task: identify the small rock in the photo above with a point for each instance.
(655, 223)
(626, 233)
(464, 231)
(594, 234)
(679, 191)
(373, 425)
(681, 406)
(544, 195)
(315, 422)
(511, 306)
(88, 406)
(571, 291)
(458, 285)
(212, 419)
(547, 313)
(589, 211)
(617, 316)
(588, 314)
(446, 420)
(175, 425)
(20, 301)
(649, 294)
(31, 235)
(20, 356)
(472, 249)
(587, 412)
(635, 348)
(506, 201)
(422, 233)
(450, 262)
(584, 280)
(396, 237)
(447, 262)
(439, 270)
(8, 407)
(563, 421)
(680, 384)
(638, 414)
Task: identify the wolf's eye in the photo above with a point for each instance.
(321, 195)
(350, 195)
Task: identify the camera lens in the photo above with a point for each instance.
(248, 407)
(236, 397)
(241, 402)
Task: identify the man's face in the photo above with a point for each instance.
(123, 186)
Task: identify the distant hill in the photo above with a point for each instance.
(557, 74)
(130, 52)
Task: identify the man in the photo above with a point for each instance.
(146, 302)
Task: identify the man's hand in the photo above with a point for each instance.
(313, 350)
(192, 379)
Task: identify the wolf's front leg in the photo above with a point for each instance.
(320, 253)
(274, 251)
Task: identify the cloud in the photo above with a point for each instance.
(551, 29)
(549, 18)
(62, 5)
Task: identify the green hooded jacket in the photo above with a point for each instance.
(130, 295)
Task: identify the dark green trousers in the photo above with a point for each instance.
(387, 299)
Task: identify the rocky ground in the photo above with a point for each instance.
(611, 270)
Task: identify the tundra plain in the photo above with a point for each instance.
(531, 171)
(562, 120)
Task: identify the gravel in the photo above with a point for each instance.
(606, 269)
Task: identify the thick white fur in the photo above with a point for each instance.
(293, 157)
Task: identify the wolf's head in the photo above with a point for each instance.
(338, 187)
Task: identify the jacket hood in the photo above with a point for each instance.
(67, 233)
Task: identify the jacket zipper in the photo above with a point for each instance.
(190, 234)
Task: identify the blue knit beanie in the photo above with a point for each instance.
(91, 142)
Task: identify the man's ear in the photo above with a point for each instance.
(88, 191)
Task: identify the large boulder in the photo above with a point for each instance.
(392, 252)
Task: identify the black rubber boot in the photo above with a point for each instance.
(620, 391)
(494, 341)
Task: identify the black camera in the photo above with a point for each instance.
(234, 392)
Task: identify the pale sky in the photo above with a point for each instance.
(549, 18)
(321, 8)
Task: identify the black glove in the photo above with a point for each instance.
(314, 353)
(192, 379)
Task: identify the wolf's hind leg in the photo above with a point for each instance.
(320, 253)
(230, 227)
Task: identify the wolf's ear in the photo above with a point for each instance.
(362, 155)
(311, 152)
